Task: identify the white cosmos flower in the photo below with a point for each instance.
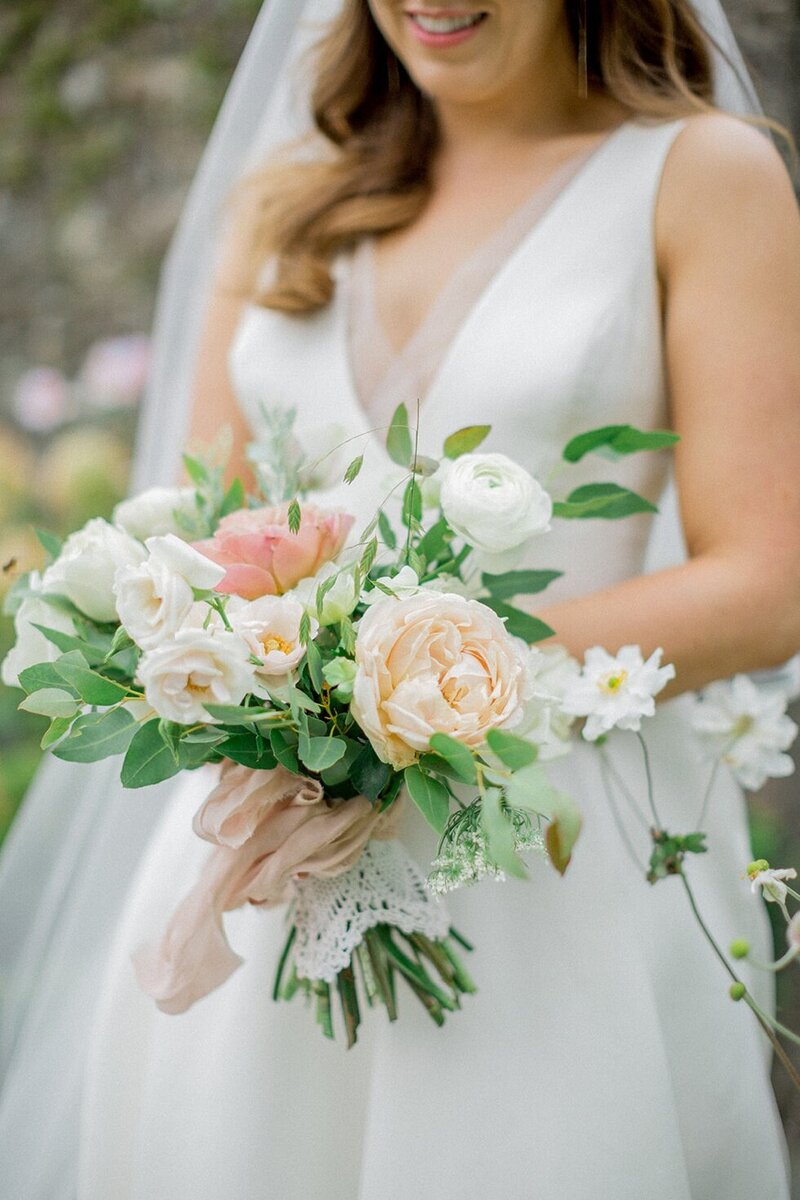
(154, 598)
(771, 881)
(153, 512)
(493, 502)
(196, 667)
(746, 726)
(270, 626)
(616, 690)
(31, 646)
(85, 568)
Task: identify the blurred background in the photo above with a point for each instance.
(105, 106)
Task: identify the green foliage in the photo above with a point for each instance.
(430, 796)
(607, 500)
(500, 834)
(518, 583)
(398, 438)
(457, 755)
(97, 735)
(465, 440)
(519, 623)
(613, 441)
(514, 751)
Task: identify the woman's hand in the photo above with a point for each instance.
(728, 247)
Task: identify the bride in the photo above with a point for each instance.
(535, 215)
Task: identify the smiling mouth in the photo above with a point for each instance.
(443, 24)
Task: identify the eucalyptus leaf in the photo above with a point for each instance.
(92, 687)
(56, 730)
(238, 714)
(518, 583)
(319, 753)
(51, 702)
(387, 533)
(465, 440)
(43, 675)
(530, 788)
(149, 758)
(66, 642)
(457, 755)
(314, 660)
(284, 747)
(430, 796)
(519, 623)
(398, 438)
(512, 750)
(97, 735)
(369, 774)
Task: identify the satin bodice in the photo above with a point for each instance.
(565, 336)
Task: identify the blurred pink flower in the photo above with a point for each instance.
(114, 371)
(263, 558)
(42, 399)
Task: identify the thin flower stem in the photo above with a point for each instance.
(649, 775)
(764, 1021)
(707, 796)
(624, 790)
(414, 484)
(623, 833)
(787, 1033)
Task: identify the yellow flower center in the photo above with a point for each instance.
(273, 641)
(613, 682)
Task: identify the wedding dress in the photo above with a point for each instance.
(601, 1056)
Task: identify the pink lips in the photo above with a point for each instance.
(442, 40)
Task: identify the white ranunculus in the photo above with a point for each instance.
(270, 626)
(154, 598)
(152, 512)
(31, 646)
(194, 668)
(746, 726)
(84, 570)
(616, 691)
(493, 502)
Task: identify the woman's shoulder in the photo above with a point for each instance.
(721, 173)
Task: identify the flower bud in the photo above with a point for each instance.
(740, 948)
(737, 991)
(760, 864)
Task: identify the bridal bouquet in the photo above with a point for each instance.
(333, 675)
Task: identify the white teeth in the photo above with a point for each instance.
(445, 24)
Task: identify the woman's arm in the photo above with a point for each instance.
(728, 243)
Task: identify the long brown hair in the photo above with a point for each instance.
(380, 134)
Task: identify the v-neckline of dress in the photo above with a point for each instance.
(400, 358)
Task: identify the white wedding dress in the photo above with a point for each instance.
(601, 1057)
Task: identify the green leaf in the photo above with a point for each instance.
(67, 641)
(51, 543)
(341, 770)
(121, 640)
(412, 503)
(432, 764)
(500, 835)
(518, 583)
(529, 788)
(457, 755)
(562, 832)
(294, 516)
(90, 685)
(50, 702)
(248, 750)
(617, 440)
(430, 796)
(606, 500)
(234, 498)
(519, 623)
(196, 470)
(398, 438)
(319, 753)
(514, 751)
(314, 660)
(56, 729)
(463, 441)
(435, 541)
(386, 531)
(368, 774)
(284, 747)
(149, 758)
(43, 675)
(353, 469)
(338, 671)
(97, 735)
(63, 604)
(238, 714)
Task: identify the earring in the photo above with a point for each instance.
(583, 53)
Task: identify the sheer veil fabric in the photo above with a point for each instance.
(68, 862)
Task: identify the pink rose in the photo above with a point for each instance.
(262, 557)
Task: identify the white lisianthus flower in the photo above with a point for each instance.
(405, 583)
(616, 691)
(270, 626)
(31, 646)
(746, 726)
(435, 663)
(196, 667)
(154, 598)
(493, 502)
(84, 570)
(554, 672)
(153, 512)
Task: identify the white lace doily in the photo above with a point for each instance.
(332, 915)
